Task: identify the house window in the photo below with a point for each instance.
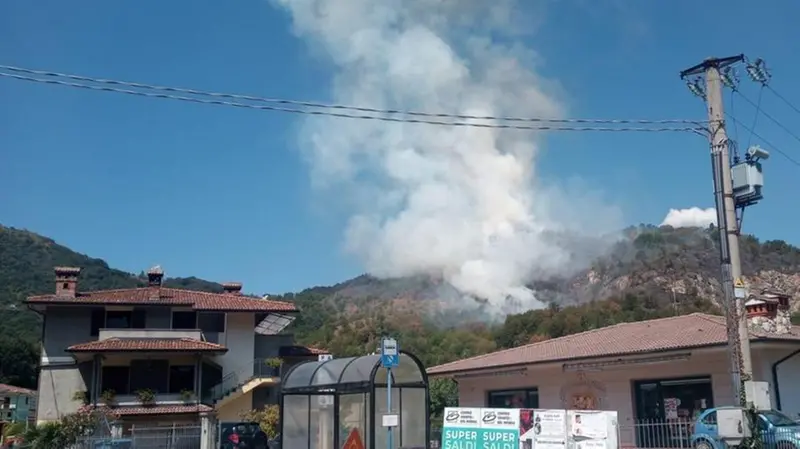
(181, 377)
(98, 321)
(522, 398)
(211, 321)
(116, 379)
(118, 319)
(184, 320)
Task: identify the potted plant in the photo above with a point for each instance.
(187, 395)
(274, 363)
(146, 396)
(81, 396)
(109, 397)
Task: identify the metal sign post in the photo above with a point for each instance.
(390, 358)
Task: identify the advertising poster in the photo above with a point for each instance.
(480, 428)
(588, 424)
(461, 428)
(499, 428)
(543, 429)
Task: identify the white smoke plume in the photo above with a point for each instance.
(461, 204)
(693, 217)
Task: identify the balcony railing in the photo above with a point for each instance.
(128, 400)
(195, 334)
(258, 368)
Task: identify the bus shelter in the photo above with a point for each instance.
(326, 404)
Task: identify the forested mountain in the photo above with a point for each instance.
(650, 272)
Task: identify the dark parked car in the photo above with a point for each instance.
(275, 443)
(242, 435)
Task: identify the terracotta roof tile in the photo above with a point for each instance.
(299, 351)
(317, 351)
(10, 389)
(170, 296)
(147, 344)
(680, 332)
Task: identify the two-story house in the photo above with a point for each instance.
(17, 404)
(160, 355)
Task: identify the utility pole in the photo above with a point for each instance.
(728, 226)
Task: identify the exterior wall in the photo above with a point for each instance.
(788, 371)
(615, 384)
(57, 386)
(150, 333)
(60, 376)
(239, 338)
(64, 327)
(231, 411)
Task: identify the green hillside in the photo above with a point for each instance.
(350, 317)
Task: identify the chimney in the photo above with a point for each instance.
(67, 281)
(768, 312)
(154, 277)
(232, 288)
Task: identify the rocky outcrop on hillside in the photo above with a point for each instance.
(664, 264)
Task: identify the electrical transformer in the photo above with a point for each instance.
(748, 179)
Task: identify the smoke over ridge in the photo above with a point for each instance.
(462, 204)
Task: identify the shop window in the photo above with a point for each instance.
(521, 398)
(667, 409)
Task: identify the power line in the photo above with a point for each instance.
(788, 103)
(770, 145)
(768, 116)
(699, 126)
(758, 111)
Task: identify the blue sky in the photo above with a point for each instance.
(224, 194)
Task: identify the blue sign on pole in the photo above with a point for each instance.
(390, 358)
(390, 353)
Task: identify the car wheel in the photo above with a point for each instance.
(703, 444)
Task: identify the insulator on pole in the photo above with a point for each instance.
(729, 78)
(757, 71)
(696, 88)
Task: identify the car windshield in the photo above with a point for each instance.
(778, 419)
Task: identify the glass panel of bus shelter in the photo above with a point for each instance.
(295, 426)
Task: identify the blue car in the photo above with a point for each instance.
(777, 430)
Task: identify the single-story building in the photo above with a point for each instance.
(656, 374)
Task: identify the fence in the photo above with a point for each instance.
(660, 434)
(175, 437)
(652, 434)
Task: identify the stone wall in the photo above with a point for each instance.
(781, 323)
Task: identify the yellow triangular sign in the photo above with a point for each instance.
(738, 283)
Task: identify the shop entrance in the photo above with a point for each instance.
(666, 409)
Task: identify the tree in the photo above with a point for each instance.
(66, 432)
(18, 361)
(443, 393)
(267, 418)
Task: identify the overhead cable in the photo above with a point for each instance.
(154, 91)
